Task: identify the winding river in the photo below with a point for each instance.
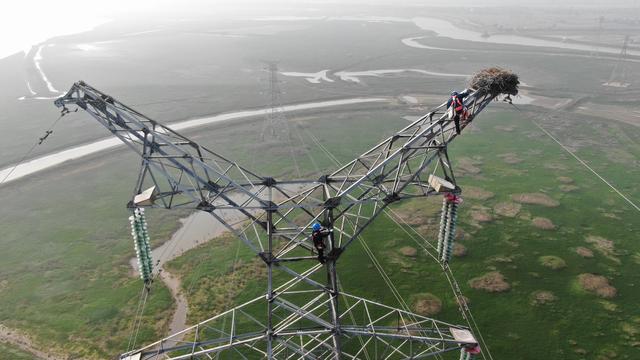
(446, 29)
(48, 161)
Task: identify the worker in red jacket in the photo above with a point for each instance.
(456, 108)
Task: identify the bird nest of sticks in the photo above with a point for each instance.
(495, 81)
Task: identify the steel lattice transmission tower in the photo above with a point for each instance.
(619, 73)
(302, 314)
(275, 124)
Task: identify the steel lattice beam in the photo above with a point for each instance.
(389, 329)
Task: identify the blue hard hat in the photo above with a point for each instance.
(316, 227)
(454, 93)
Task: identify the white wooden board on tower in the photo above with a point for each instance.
(146, 198)
(440, 185)
(136, 356)
(463, 336)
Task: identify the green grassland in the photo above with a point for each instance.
(571, 322)
(65, 275)
(10, 352)
(84, 303)
(66, 298)
(65, 280)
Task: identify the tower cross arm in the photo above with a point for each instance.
(180, 172)
(400, 167)
(385, 171)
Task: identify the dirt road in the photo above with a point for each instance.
(24, 342)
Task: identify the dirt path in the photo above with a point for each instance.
(196, 229)
(24, 342)
(179, 317)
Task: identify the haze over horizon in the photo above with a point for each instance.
(34, 21)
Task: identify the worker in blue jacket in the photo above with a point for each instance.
(318, 234)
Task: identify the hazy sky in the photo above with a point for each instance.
(27, 22)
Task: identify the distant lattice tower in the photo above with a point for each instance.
(275, 124)
(601, 21)
(619, 74)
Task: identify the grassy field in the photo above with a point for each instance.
(545, 310)
(10, 352)
(65, 280)
(84, 303)
(66, 277)
(502, 155)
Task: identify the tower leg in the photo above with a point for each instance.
(269, 295)
(332, 284)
